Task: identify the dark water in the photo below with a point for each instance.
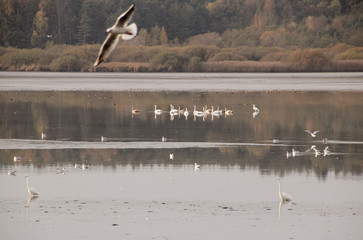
(133, 190)
(83, 117)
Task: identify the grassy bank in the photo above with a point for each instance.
(195, 58)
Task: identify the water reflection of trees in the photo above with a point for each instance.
(85, 116)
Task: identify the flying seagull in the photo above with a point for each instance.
(313, 134)
(121, 29)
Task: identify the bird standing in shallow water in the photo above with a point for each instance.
(32, 192)
(283, 196)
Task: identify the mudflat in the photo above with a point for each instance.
(49, 81)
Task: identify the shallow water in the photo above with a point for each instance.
(133, 190)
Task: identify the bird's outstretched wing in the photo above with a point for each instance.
(125, 18)
(107, 47)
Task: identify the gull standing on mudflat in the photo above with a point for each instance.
(117, 31)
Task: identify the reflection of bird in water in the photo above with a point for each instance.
(103, 139)
(44, 136)
(17, 159)
(196, 167)
(32, 192)
(283, 196)
(171, 156)
(12, 173)
(326, 151)
(313, 134)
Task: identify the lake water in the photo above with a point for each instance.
(133, 190)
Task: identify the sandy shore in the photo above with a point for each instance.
(50, 81)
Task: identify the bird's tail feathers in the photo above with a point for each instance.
(132, 28)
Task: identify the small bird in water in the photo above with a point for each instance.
(163, 139)
(196, 167)
(61, 171)
(103, 139)
(326, 151)
(313, 134)
(12, 173)
(17, 159)
(121, 29)
(44, 136)
(171, 156)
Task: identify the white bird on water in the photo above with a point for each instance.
(32, 192)
(17, 159)
(44, 136)
(103, 139)
(171, 156)
(317, 152)
(163, 139)
(326, 151)
(61, 171)
(157, 111)
(256, 110)
(121, 29)
(283, 196)
(313, 134)
(12, 173)
(196, 167)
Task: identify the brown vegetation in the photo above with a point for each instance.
(189, 58)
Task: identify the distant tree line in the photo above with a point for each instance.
(227, 23)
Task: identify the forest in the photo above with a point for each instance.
(289, 29)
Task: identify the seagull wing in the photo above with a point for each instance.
(315, 132)
(107, 47)
(125, 18)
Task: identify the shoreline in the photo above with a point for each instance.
(157, 82)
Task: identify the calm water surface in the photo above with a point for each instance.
(133, 190)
